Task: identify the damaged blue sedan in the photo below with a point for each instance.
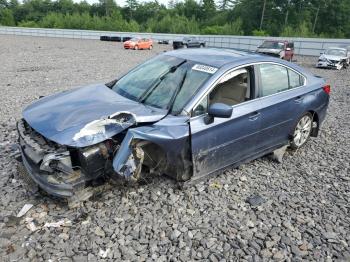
(185, 114)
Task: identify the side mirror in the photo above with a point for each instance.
(220, 110)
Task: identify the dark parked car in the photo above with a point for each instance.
(188, 42)
(185, 114)
(163, 42)
(126, 38)
(281, 49)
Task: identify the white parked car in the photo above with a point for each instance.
(334, 57)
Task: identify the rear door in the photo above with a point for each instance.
(281, 100)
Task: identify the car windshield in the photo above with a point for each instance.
(272, 45)
(134, 39)
(164, 82)
(335, 52)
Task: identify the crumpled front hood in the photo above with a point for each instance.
(332, 57)
(87, 115)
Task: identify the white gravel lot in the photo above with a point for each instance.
(305, 215)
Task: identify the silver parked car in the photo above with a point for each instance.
(334, 57)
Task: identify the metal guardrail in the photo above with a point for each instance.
(303, 46)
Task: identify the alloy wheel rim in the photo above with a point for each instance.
(302, 130)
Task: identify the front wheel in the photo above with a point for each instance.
(302, 131)
(150, 47)
(136, 47)
(185, 46)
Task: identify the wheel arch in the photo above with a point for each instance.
(168, 149)
(315, 127)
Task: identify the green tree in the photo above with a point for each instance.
(309, 18)
(208, 9)
(6, 17)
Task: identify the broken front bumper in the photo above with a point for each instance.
(45, 180)
(32, 166)
(325, 64)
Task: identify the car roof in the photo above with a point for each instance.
(212, 56)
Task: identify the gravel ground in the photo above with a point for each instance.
(303, 213)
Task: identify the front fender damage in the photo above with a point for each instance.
(163, 149)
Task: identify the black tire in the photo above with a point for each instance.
(105, 38)
(301, 134)
(115, 38)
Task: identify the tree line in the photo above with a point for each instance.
(299, 18)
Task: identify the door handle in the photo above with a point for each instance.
(298, 99)
(254, 116)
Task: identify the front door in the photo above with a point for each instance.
(225, 141)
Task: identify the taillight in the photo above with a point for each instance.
(327, 89)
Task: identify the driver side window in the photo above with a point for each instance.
(232, 89)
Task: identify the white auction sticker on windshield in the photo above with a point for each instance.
(205, 68)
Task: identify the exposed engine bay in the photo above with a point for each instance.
(64, 170)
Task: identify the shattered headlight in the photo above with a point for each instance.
(61, 161)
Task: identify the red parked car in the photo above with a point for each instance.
(282, 49)
(138, 43)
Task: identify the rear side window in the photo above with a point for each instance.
(295, 79)
(276, 78)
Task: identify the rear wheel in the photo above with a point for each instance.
(136, 47)
(150, 47)
(302, 131)
(185, 46)
(201, 46)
